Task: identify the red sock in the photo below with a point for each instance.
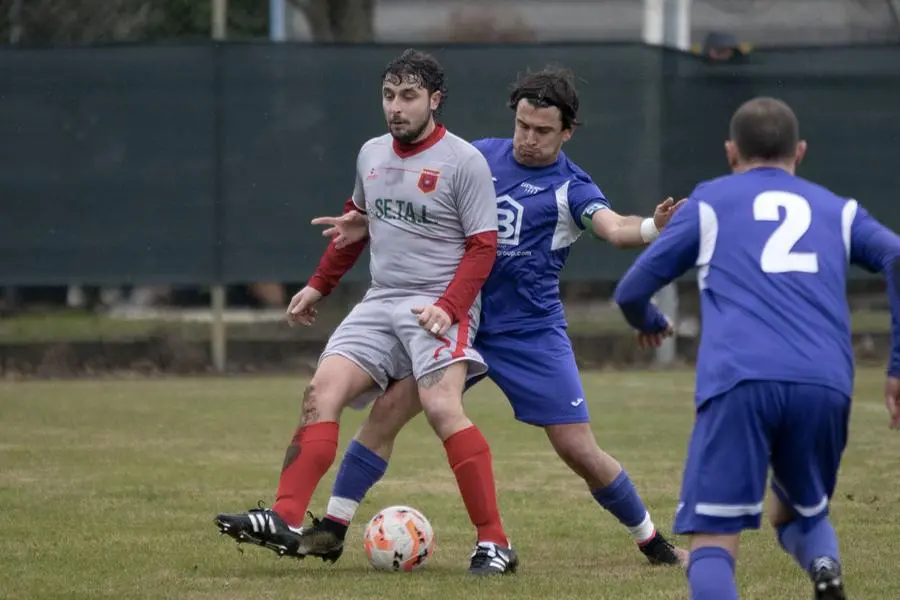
(306, 461)
(470, 458)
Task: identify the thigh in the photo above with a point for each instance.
(337, 383)
(428, 353)
(724, 480)
(807, 448)
(538, 375)
(390, 413)
(366, 338)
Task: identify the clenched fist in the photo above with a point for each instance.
(435, 320)
(655, 340)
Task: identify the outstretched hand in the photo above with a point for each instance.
(346, 229)
(665, 210)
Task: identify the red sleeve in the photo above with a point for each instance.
(335, 262)
(473, 271)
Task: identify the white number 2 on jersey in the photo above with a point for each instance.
(777, 255)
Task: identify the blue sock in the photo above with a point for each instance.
(711, 574)
(359, 471)
(806, 546)
(622, 501)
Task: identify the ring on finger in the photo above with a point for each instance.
(435, 328)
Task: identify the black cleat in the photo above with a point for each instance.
(827, 582)
(263, 527)
(492, 559)
(659, 551)
(320, 539)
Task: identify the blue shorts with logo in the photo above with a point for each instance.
(537, 372)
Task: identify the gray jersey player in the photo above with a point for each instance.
(433, 230)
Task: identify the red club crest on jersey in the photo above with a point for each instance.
(428, 180)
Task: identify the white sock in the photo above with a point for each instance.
(341, 509)
(644, 531)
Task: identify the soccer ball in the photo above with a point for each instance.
(399, 538)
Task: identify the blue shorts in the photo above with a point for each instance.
(536, 370)
(799, 430)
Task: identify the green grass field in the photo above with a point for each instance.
(108, 489)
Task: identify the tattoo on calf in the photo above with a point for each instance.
(432, 379)
(308, 414)
(308, 411)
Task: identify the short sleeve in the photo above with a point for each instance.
(475, 196)
(359, 192)
(585, 199)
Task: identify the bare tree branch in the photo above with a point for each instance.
(352, 20)
(349, 21)
(316, 13)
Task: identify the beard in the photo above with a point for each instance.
(409, 135)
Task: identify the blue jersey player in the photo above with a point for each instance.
(775, 364)
(544, 203)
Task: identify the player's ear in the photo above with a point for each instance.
(567, 134)
(801, 152)
(731, 154)
(435, 100)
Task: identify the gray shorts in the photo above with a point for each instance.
(383, 338)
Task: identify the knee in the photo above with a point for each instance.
(441, 399)
(573, 443)
(320, 402)
(576, 446)
(444, 417)
(390, 413)
(777, 512)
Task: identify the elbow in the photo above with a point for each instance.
(619, 238)
(629, 306)
(624, 297)
(610, 235)
(482, 249)
(632, 310)
(632, 292)
(618, 242)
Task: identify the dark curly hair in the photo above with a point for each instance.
(551, 86)
(419, 67)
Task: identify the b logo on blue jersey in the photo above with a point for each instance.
(509, 221)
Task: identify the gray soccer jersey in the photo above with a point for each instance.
(421, 209)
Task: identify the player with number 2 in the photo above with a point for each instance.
(775, 365)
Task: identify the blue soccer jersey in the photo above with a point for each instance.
(775, 365)
(772, 252)
(541, 213)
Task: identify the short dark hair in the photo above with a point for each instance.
(416, 66)
(765, 129)
(551, 86)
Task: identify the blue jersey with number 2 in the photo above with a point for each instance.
(772, 252)
(540, 214)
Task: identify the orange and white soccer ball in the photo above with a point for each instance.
(399, 538)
